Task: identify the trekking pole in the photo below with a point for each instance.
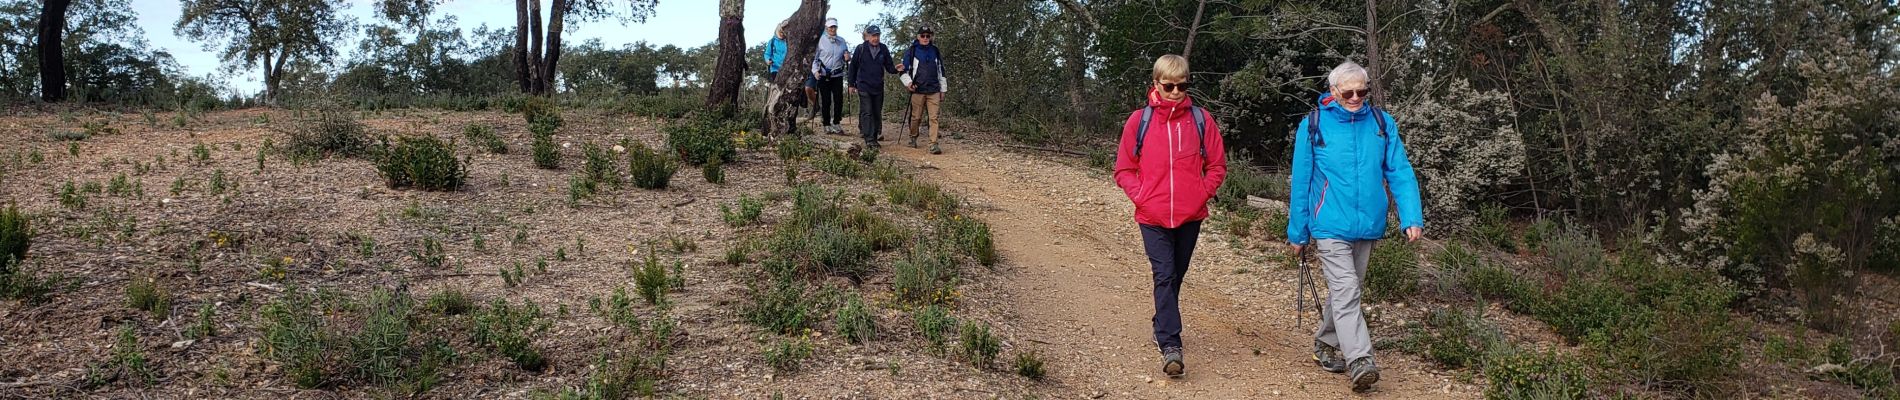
(1308, 287)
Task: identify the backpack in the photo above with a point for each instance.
(1312, 125)
(1148, 113)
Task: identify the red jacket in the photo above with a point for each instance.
(1171, 182)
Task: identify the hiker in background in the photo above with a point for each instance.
(1338, 208)
(775, 52)
(829, 68)
(1170, 162)
(870, 61)
(923, 64)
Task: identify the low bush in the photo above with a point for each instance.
(1392, 273)
(510, 330)
(422, 162)
(331, 132)
(16, 236)
(1526, 374)
(650, 169)
(484, 137)
(936, 324)
(979, 346)
(781, 306)
(855, 322)
(927, 275)
(703, 139)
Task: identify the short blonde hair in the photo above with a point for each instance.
(1345, 73)
(1171, 67)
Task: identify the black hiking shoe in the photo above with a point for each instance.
(1327, 357)
(1364, 374)
(935, 150)
(1172, 364)
(913, 142)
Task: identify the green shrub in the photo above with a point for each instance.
(935, 323)
(971, 237)
(422, 162)
(510, 330)
(838, 164)
(855, 322)
(329, 133)
(449, 302)
(546, 154)
(1454, 338)
(1496, 282)
(781, 306)
(1583, 306)
(927, 275)
(600, 166)
(16, 236)
(1522, 374)
(484, 137)
(144, 294)
(29, 286)
(788, 354)
(748, 212)
(541, 114)
(1029, 365)
(714, 172)
(294, 335)
(702, 139)
(70, 196)
(651, 279)
(922, 196)
(979, 346)
(650, 169)
(1244, 179)
(376, 352)
(206, 325)
(1494, 228)
(1392, 273)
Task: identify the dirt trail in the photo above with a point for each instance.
(1076, 285)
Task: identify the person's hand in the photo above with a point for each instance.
(913, 88)
(900, 67)
(1412, 234)
(852, 90)
(1295, 249)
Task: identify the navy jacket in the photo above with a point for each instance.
(869, 63)
(924, 64)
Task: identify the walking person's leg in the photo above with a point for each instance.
(876, 110)
(933, 102)
(914, 115)
(1342, 263)
(1159, 244)
(866, 123)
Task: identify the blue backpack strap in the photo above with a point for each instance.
(1312, 129)
(1378, 116)
(1200, 125)
(1141, 134)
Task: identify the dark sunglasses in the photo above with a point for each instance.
(1173, 87)
(1355, 94)
(926, 36)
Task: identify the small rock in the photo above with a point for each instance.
(1147, 379)
(183, 343)
(619, 149)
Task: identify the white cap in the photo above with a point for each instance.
(831, 22)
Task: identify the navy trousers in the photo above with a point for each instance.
(1168, 253)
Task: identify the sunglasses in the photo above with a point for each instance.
(1354, 94)
(926, 36)
(1173, 87)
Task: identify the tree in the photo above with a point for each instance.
(266, 34)
(538, 52)
(807, 22)
(731, 65)
(52, 63)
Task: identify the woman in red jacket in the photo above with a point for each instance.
(1170, 162)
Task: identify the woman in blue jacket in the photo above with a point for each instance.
(1347, 155)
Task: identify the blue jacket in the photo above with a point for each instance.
(924, 65)
(775, 53)
(1339, 188)
(869, 64)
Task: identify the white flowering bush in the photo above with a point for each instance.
(1800, 203)
(1463, 147)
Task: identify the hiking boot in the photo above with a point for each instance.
(1327, 357)
(1364, 374)
(935, 150)
(913, 142)
(1172, 364)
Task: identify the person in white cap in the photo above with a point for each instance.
(829, 68)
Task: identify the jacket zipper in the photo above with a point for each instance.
(1174, 146)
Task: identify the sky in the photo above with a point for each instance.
(684, 23)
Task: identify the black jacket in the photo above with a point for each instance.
(869, 63)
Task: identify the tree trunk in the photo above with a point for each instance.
(534, 48)
(52, 61)
(1373, 67)
(557, 16)
(270, 81)
(801, 33)
(521, 46)
(1195, 28)
(730, 71)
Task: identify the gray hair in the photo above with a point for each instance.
(1346, 72)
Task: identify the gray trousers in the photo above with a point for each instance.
(1342, 325)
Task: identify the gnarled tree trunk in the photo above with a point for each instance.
(730, 71)
(801, 45)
